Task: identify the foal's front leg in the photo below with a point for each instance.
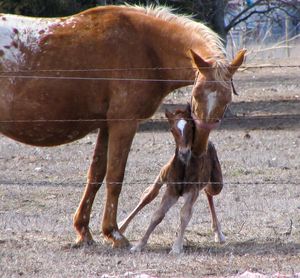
(168, 200)
(185, 217)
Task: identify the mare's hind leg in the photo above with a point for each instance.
(95, 177)
(185, 216)
(120, 139)
(168, 200)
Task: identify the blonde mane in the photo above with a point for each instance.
(205, 34)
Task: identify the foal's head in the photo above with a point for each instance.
(212, 91)
(182, 128)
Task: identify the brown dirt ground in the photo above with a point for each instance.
(259, 208)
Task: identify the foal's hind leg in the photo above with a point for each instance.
(185, 217)
(216, 227)
(213, 188)
(95, 177)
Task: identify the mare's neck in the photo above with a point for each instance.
(200, 142)
(171, 43)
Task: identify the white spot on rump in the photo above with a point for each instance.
(181, 125)
(211, 101)
(17, 31)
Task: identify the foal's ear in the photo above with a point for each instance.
(202, 65)
(168, 114)
(188, 109)
(237, 61)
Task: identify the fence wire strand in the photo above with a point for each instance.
(234, 118)
(140, 182)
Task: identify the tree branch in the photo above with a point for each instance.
(231, 23)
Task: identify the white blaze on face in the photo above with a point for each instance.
(211, 102)
(181, 125)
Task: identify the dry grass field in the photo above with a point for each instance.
(259, 207)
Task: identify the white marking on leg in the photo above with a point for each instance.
(219, 236)
(138, 247)
(116, 235)
(181, 125)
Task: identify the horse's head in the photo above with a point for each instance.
(212, 92)
(182, 128)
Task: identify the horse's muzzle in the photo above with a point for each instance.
(185, 154)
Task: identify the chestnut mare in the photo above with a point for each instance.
(61, 78)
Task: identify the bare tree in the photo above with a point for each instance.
(266, 8)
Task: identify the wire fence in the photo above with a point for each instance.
(16, 74)
(146, 182)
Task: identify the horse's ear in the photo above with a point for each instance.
(188, 109)
(168, 114)
(237, 61)
(202, 65)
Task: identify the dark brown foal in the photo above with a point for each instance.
(185, 174)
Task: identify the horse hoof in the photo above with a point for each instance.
(135, 249)
(82, 243)
(220, 238)
(175, 252)
(118, 240)
(121, 243)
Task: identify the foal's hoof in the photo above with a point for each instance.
(176, 251)
(220, 238)
(137, 248)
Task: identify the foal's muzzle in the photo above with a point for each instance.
(185, 154)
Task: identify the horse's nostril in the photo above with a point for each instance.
(185, 154)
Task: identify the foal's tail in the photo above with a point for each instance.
(216, 178)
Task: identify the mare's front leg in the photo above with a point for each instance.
(120, 139)
(185, 216)
(96, 175)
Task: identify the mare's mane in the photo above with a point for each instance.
(208, 38)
